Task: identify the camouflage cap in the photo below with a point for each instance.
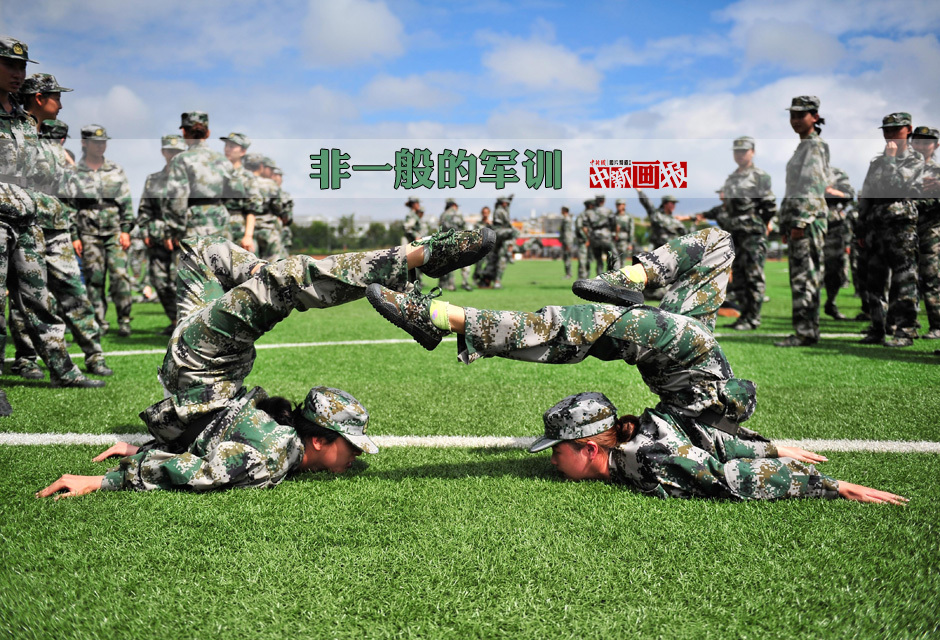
(411, 201)
(173, 141)
(277, 171)
(338, 411)
(670, 198)
(450, 202)
(240, 139)
(600, 196)
(926, 132)
(251, 161)
(53, 130)
(804, 103)
(899, 119)
(744, 143)
(579, 416)
(620, 201)
(94, 132)
(13, 48)
(190, 118)
(41, 83)
(268, 162)
(589, 202)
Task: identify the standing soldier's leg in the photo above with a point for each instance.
(584, 266)
(752, 252)
(163, 279)
(93, 269)
(465, 274)
(903, 262)
(119, 284)
(834, 253)
(806, 274)
(566, 259)
(929, 238)
(24, 355)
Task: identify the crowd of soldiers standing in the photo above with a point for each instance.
(68, 227)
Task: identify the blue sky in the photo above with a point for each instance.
(670, 81)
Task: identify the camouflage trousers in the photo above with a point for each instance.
(137, 264)
(236, 227)
(584, 261)
(103, 260)
(566, 253)
(928, 236)
(892, 258)
(163, 277)
(495, 265)
(64, 280)
(838, 239)
(672, 346)
(268, 243)
(806, 276)
(606, 259)
(223, 309)
(747, 273)
(23, 274)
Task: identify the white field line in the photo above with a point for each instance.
(340, 343)
(468, 442)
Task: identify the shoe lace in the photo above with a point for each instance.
(422, 298)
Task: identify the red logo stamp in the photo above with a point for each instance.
(630, 174)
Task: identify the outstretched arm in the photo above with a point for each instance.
(859, 493)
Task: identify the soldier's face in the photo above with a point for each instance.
(95, 148)
(338, 456)
(12, 74)
(924, 146)
(896, 133)
(233, 152)
(743, 157)
(669, 207)
(802, 121)
(572, 461)
(621, 208)
(49, 104)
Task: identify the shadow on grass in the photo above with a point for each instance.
(843, 346)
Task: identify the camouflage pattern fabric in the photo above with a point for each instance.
(199, 183)
(51, 213)
(101, 199)
(103, 260)
(584, 266)
(151, 217)
(497, 260)
(137, 261)
(804, 207)
(25, 278)
(287, 241)
(928, 235)
(839, 235)
(64, 281)
(568, 239)
(672, 346)
(669, 456)
(888, 219)
(663, 227)
(268, 224)
(251, 204)
(452, 219)
(624, 241)
(602, 225)
(414, 226)
(211, 352)
(20, 160)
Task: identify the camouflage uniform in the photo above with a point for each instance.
(568, 239)
(749, 206)
(22, 264)
(505, 235)
(287, 219)
(627, 232)
(268, 223)
(888, 222)
(252, 203)
(663, 227)
(452, 219)
(415, 228)
(581, 226)
(804, 207)
(223, 310)
(928, 235)
(63, 275)
(602, 225)
(102, 201)
(838, 239)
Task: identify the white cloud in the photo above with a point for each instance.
(349, 32)
(537, 65)
(838, 16)
(414, 91)
(796, 46)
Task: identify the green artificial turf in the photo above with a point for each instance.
(480, 543)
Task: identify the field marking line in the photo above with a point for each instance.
(469, 442)
(340, 343)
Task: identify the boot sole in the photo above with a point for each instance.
(392, 313)
(599, 291)
(467, 259)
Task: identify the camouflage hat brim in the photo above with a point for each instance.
(363, 442)
(543, 443)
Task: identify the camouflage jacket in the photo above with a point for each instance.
(451, 219)
(807, 178)
(627, 228)
(928, 209)
(200, 183)
(749, 201)
(272, 206)
(603, 224)
(663, 227)
(415, 227)
(839, 207)
(287, 208)
(252, 203)
(151, 214)
(583, 225)
(19, 162)
(48, 189)
(674, 457)
(241, 447)
(101, 199)
(890, 188)
(566, 232)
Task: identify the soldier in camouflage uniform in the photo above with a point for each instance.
(626, 232)
(452, 219)
(287, 212)
(99, 193)
(241, 222)
(602, 226)
(566, 235)
(582, 231)
(839, 197)
(505, 237)
(486, 222)
(415, 228)
(749, 205)
(63, 274)
(200, 186)
(151, 218)
(24, 164)
(210, 432)
(887, 218)
(692, 443)
(664, 226)
(267, 232)
(803, 219)
(925, 141)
